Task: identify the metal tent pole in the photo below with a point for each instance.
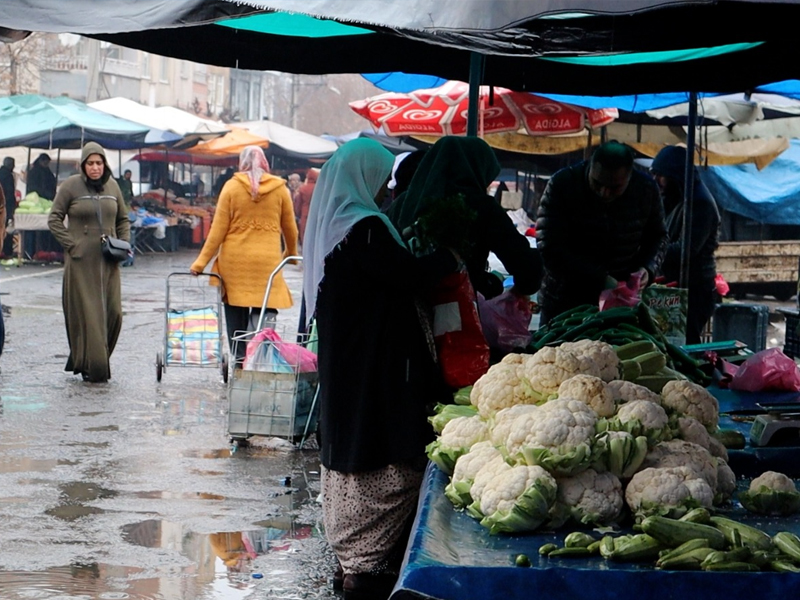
(476, 63)
(688, 192)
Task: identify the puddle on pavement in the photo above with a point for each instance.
(72, 497)
(177, 496)
(21, 404)
(26, 465)
(94, 581)
(103, 428)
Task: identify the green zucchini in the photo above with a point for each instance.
(672, 532)
(753, 538)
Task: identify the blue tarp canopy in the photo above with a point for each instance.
(770, 196)
(41, 122)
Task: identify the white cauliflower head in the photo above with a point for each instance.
(590, 390)
(641, 418)
(558, 436)
(485, 474)
(628, 391)
(517, 500)
(458, 490)
(457, 437)
(726, 482)
(602, 355)
(551, 366)
(691, 400)
(468, 465)
(463, 432)
(680, 453)
(592, 498)
(771, 493)
(774, 481)
(692, 430)
(664, 491)
(505, 488)
(501, 387)
(500, 425)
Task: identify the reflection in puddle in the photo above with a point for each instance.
(25, 465)
(88, 444)
(86, 581)
(72, 512)
(19, 404)
(103, 428)
(178, 495)
(73, 494)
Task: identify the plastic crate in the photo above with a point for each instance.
(791, 346)
(746, 323)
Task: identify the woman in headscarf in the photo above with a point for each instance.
(376, 370)
(302, 199)
(466, 166)
(91, 293)
(254, 213)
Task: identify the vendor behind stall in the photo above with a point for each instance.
(600, 221)
(41, 179)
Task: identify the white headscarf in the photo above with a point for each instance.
(253, 162)
(344, 194)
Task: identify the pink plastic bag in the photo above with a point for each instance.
(768, 370)
(505, 320)
(267, 351)
(622, 295)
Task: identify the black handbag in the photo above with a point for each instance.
(114, 249)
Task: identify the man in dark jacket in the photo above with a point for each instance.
(8, 185)
(668, 168)
(41, 179)
(600, 221)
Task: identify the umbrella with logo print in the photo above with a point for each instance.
(443, 111)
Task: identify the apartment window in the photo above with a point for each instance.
(185, 69)
(163, 74)
(145, 65)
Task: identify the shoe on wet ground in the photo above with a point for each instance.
(365, 586)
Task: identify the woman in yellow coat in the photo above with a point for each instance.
(254, 213)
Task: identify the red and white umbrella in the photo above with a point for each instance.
(443, 111)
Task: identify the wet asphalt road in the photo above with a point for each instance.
(129, 490)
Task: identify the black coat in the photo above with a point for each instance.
(583, 240)
(7, 183)
(494, 231)
(377, 374)
(42, 181)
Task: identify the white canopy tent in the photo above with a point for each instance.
(292, 142)
(168, 118)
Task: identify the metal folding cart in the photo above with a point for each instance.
(273, 392)
(193, 324)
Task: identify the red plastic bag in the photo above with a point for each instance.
(721, 285)
(624, 294)
(505, 320)
(462, 349)
(768, 370)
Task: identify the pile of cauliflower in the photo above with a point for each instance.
(558, 437)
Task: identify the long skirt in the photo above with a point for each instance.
(367, 516)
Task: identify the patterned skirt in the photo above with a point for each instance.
(367, 515)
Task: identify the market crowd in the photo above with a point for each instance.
(373, 260)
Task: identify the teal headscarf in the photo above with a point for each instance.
(453, 165)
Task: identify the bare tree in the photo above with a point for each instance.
(20, 63)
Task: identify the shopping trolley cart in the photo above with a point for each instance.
(193, 324)
(273, 392)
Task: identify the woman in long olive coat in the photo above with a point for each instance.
(91, 294)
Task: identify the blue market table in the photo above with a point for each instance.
(451, 557)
